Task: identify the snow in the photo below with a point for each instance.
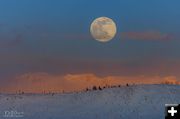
(133, 102)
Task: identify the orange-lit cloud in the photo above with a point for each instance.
(39, 82)
(171, 80)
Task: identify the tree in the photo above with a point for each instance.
(94, 88)
(87, 89)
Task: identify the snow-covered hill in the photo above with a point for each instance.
(134, 102)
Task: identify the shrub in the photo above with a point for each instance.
(94, 88)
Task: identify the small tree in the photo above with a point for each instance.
(127, 84)
(94, 88)
(100, 88)
(87, 89)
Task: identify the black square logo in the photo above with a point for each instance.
(172, 111)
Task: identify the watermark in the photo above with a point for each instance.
(172, 111)
(13, 113)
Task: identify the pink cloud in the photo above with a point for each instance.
(149, 35)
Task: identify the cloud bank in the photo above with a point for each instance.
(40, 82)
(147, 35)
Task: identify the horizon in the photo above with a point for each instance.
(47, 45)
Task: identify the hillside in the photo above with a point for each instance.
(134, 102)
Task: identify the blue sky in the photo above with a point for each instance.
(53, 36)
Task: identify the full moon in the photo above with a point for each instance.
(103, 29)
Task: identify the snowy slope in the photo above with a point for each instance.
(134, 102)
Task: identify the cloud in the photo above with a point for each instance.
(171, 80)
(144, 35)
(149, 35)
(11, 36)
(39, 82)
(43, 32)
(11, 41)
(18, 39)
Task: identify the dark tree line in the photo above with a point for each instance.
(94, 88)
(104, 87)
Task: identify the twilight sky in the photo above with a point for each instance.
(52, 37)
